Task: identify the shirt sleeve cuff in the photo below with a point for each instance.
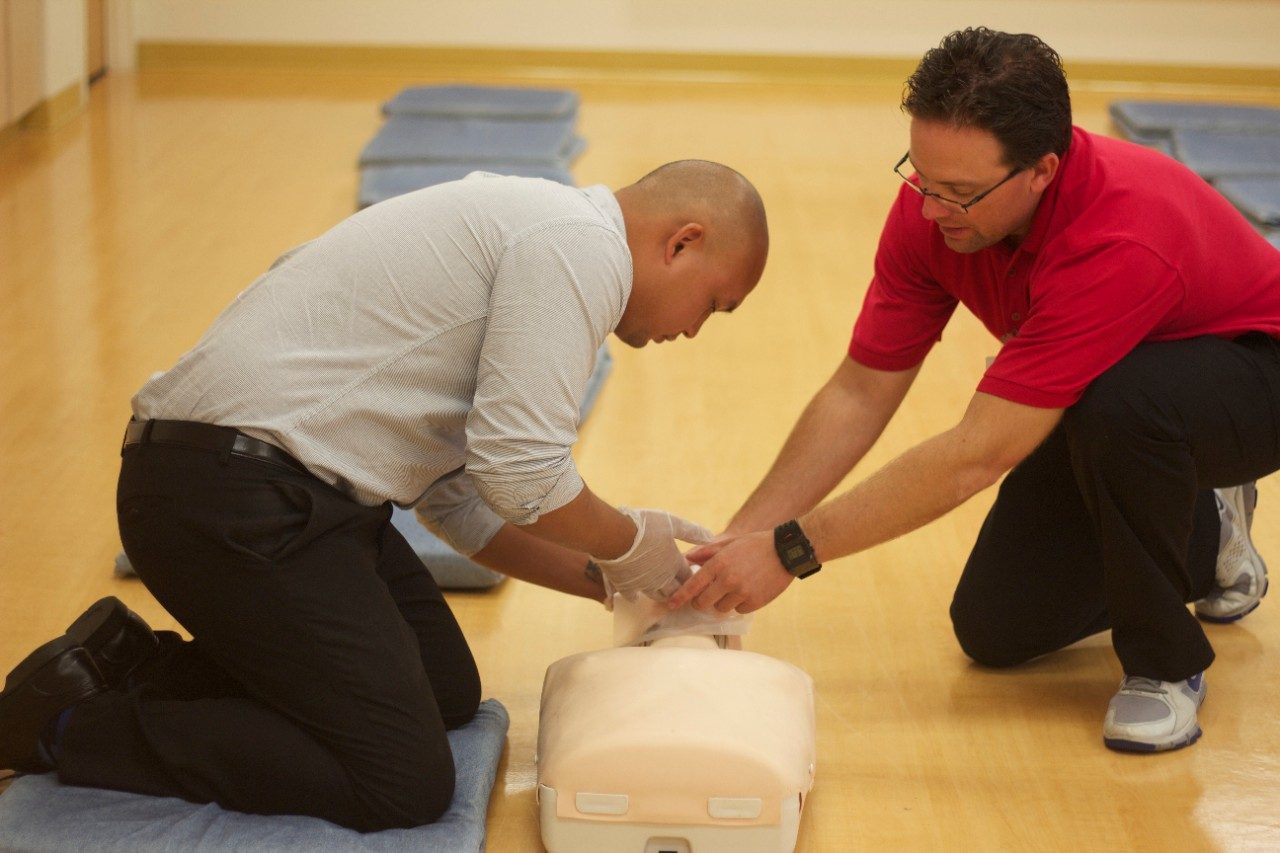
(1037, 397)
(458, 516)
(524, 501)
(880, 361)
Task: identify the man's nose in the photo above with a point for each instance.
(933, 209)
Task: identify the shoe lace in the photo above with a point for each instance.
(1138, 684)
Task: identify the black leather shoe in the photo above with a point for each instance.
(52, 678)
(116, 637)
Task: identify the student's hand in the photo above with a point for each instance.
(744, 574)
(653, 565)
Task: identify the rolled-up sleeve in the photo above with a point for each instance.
(559, 290)
(453, 510)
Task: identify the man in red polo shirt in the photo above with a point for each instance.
(1137, 387)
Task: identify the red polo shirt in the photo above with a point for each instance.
(1126, 246)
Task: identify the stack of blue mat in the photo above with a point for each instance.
(440, 133)
(1235, 148)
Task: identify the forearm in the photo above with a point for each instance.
(821, 449)
(930, 479)
(922, 484)
(746, 574)
(836, 429)
(522, 555)
(586, 524)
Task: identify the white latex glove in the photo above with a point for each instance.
(653, 565)
(609, 591)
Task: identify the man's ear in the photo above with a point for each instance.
(1043, 170)
(684, 237)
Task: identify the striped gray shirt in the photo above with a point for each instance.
(434, 347)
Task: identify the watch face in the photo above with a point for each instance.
(794, 550)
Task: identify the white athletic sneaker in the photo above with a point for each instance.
(1241, 574)
(1150, 716)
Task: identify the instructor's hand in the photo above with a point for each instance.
(744, 575)
(653, 565)
(700, 555)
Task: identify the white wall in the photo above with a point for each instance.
(64, 45)
(1195, 32)
(121, 44)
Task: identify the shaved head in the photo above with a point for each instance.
(699, 241)
(703, 191)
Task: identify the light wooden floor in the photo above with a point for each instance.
(124, 232)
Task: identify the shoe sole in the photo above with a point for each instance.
(1122, 745)
(117, 638)
(1236, 617)
(1239, 509)
(104, 618)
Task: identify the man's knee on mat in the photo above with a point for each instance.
(460, 700)
(425, 802)
(416, 792)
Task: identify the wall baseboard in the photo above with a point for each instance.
(56, 110)
(698, 66)
(390, 58)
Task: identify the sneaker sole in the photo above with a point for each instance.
(1122, 745)
(1239, 509)
(1236, 617)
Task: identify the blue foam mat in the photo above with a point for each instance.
(1257, 197)
(483, 102)
(381, 182)
(1163, 144)
(1146, 119)
(1217, 154)
(38, 815)
(450, 569)
(418, 139)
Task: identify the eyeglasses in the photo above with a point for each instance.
(950, 203)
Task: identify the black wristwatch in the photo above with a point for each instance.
(794, 550)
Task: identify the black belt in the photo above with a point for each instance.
(207, 437)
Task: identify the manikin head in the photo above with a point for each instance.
(990, 122)
(698, 239)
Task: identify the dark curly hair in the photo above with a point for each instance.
(1009, 85)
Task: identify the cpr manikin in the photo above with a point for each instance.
(675, 741)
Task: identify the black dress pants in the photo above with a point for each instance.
(325, 666)
(1111, 522)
